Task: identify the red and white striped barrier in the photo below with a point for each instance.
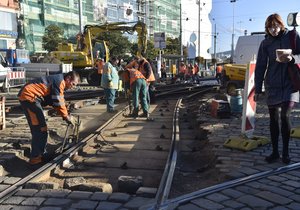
(16, 75)
(249, 108)
(15, 78)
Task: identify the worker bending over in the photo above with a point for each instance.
(47, 90)
(138, 87)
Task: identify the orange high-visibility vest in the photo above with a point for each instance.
(134, 75)
(142, 70)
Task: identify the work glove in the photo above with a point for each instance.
(110, 84)
(71, 120)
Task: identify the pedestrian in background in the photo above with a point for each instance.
(47, 90)
(219, 70)
(110, 82)
(279, 90)
(163, 70)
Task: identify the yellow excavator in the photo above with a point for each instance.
(90, 47)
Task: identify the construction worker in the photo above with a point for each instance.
(110, 82)
(100, 65)
(219, 70)
(47, 90)
(146, 69)
(138, 87)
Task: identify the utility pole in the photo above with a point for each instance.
(180, 36)
(232, 44)
(199, 20)
(80, 16)
(215, 48)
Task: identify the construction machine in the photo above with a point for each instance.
(90, 47)
(246, 50)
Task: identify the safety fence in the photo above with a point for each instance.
(15, 77)
(2, 113)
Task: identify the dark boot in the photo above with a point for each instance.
(272, 158)
(285, 152)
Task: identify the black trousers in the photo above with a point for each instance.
(285, 111)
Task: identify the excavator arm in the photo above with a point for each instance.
(91, 32)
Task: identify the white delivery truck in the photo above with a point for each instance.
(246, 50)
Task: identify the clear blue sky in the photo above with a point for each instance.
(249, 15)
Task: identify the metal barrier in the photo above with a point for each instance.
(16, 77)
(2, 113)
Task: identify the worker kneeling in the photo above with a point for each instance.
(138, 87)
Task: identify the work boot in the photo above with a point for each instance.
(36, 160)
(145, 114)
(272, 158)
(286, 159)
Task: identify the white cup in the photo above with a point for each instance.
(281, 52)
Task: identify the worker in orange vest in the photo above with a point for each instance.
(138, 87)
(219, 70)
(100, 64)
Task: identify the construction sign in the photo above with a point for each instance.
(249, 108)
(160, 40)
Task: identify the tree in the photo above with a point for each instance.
(172, 46)
(53, 35)
(118, 44)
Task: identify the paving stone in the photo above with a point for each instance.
(51, 208)
(277, 178)
(294, 206)
(136, 202)
(189, 207)
(11, 180)
(289, 188)
(217, 197)
(15, 200)
(60, 193)
(26, 192)
(41, 185)
(147, 192)
(119, 197)
(279, 208)
(2, 178)
(254, 202)
(85, 204)
(80, 195)
(274, 197)
(3, 187)
(295, 197)
(5, 207)
(24, 208)
(247, 190)
(232, 193)
(290, 177)
(99, 196)
(292, 183)
(277, 190)
(207, 204)
(33, 201)
(57, 201)
(233, 204)
(129, 184)
(105, 205)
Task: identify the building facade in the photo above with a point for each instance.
(9, 13)
(164, 16)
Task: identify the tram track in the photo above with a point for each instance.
(107, 147)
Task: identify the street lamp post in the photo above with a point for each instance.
(232, 43)
(199, 20)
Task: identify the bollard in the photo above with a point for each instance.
(2, 113)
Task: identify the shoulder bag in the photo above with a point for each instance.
(294, 69)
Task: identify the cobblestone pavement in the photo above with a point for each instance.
(280, 191)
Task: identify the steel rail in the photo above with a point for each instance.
(167, 177)
(172, 203)
(56, 161)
